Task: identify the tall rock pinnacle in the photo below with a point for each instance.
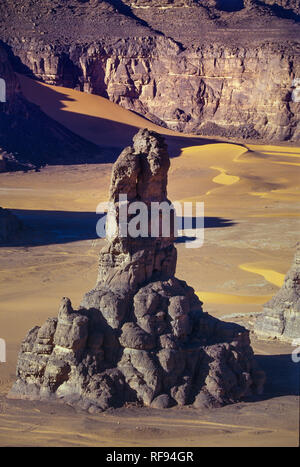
(140, 335)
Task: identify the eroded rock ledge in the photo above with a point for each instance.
(140, 335)
(281, 315)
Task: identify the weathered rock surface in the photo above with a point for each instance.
(281, 315)
(209, 67)
(10, 225)
(140, 335)
(29, 138)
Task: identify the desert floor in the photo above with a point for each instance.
(251, 196)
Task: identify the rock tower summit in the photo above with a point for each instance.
(140, 335)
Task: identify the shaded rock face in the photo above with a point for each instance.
(140, 335)
(292, 5)
(30, 139)
(10, 225)
(281, 315)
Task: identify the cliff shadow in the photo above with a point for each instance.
(15, 61)
(282, 376)
(230, 5)
(58, 227)
(126, 10)
(110, 130)
(280, 11)
(209, 223)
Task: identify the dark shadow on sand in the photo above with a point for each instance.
(282, 376)
(57, 227)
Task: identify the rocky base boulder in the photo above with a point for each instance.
(140, 335)
(281, 315)
(171, 353)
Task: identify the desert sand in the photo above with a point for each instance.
(251, 196)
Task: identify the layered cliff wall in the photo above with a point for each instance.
(227, 91)
(30, 139)
(185, 64)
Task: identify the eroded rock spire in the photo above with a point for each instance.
(140, 335)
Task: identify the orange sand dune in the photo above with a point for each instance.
(83, 113)
(93, 117)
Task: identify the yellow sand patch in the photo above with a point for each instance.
(284, 154)
(280, 150)
(223, 151)
(222, 298)
(270, 275)
(284, 194)
(223, 178)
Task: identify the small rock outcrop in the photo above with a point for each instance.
(140, 335)
(10, 225)
(281, 315)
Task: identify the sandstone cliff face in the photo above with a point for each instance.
(30, 139)
(193, 66)
(140, 335)
(281, 315)
(214, 90)
(11, 82)
(227, 5)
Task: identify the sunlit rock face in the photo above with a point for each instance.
(281, 315)
(228, 91)
(210, 67)
(140, 335)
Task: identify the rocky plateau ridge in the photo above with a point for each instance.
(206, 67)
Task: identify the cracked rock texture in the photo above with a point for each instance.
(140, 335)
(281, 315)
(209, 67)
